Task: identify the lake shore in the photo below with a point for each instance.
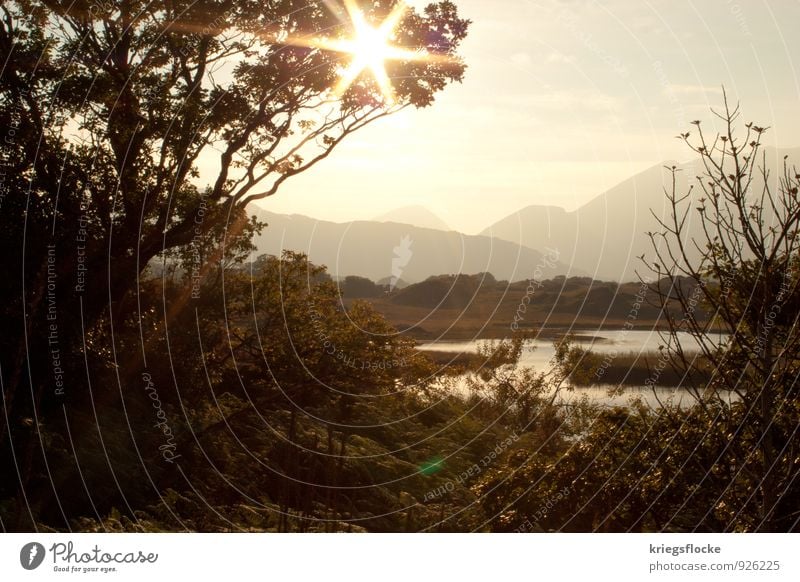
(613, 357)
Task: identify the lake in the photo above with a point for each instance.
(538, 354)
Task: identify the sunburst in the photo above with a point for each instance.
(370, 48)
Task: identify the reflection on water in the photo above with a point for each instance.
(601, 394)
(538, 354)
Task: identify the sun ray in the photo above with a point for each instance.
(384, 84)
(369, 47)
(392, 21)
(353, 10)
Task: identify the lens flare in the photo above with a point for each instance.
(370, 48)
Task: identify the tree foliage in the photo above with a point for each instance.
(744, 271)
(138, 134)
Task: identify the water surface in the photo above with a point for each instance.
(539, 354)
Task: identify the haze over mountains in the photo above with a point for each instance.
(416, 215)
(602, 239)
(384, 250)
(606, 236)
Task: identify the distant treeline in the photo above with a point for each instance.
(458, 306)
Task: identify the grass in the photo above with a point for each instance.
(491, 312)
(636, 369)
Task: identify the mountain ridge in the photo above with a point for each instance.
(416, 215)
(603, 238)
(606, 236)
(380, 250)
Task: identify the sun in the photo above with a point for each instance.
(370, 48)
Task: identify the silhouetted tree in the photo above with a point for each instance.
(743, 272)
(133, 128)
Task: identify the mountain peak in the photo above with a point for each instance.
(416, 215)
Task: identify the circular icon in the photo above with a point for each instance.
(31, 555)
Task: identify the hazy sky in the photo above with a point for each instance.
(562, 100)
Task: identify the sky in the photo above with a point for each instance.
(563, 99)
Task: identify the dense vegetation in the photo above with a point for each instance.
(283, 411)
(479, 306)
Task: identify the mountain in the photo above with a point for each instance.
(606, 236)
(416, 215)
(400, 252)
(603, 237)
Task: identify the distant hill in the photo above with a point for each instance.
(606, 236)
(389, 251)
(603, 237)
(468, 307)
(416, 215)
(392, 282)
(445, 291)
